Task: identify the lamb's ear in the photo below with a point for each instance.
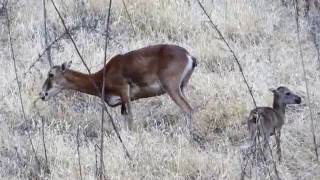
(65, 65)
(274, 91)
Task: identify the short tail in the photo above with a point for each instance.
(194, 62)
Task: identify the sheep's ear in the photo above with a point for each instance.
(65, 65)
(274, 91)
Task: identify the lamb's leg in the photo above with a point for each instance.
(265, 132)
(277, 136)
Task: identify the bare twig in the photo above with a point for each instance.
(232, 52)
(40, 55)
(306, 80)
(96, 158)
(103, 91)
(43, 52)
(47, 170)
(49, 47)
(19, 86)
(46, 33)
(78, 152)
(46, 166)
(258, 150)
(215, 27)
(68, 33)
(127, 12)
(93, 83)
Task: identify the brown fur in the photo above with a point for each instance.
(142, 73)
(270, 119)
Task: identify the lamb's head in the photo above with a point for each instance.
(285, 96)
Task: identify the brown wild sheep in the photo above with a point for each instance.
(272, 119)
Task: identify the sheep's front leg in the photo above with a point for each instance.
(126, 107)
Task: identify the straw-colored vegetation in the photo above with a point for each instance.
(262, 34)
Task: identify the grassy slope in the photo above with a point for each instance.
(261, 33)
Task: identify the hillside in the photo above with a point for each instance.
(261, 33)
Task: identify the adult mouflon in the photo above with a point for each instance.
(142, 73)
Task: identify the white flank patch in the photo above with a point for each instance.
(135, 89)
(154, 88)
(113, 100)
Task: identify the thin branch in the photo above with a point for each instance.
(258, 149)
(230, 49)
(306, 80)
(43, 52)
(19, 86)
(47, 169)
(215, 27)
(93, 83)
(46, 33)
(39, 58)
(127, 12)
(68, 33)
(49, 47)
(103, 91)
(96, 158)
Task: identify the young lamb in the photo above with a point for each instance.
(272, 119)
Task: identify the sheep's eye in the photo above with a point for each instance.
(50, 75)
(288, 94)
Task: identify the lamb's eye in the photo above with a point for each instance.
(50, 75)
(288, 94)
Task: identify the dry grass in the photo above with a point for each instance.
(262, 33)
